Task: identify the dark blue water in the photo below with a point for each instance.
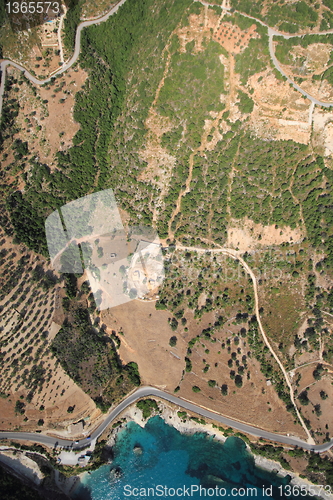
(175, 465)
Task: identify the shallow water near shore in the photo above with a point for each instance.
(172, 464)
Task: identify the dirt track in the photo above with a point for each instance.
(234, 254)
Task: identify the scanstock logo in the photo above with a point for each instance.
(121, 264)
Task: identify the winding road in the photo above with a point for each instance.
(85, 24)
(150, 391)
(187, 405)
(272, 32)
(234, 254)
(64, 67)
(276, 63)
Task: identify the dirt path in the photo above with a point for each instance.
(152, 112)
(182, 193)
(271, 33)
(325, 312)
(296, 200)
(320, 361)
(232, 87)
(321, 347)
(234, 254)
(59, 33)
(203, 143)
(64, 67)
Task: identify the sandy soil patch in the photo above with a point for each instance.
(323, 130)
(59, 126)
(211, 135)
(245, 235)
(202, 299)
(54, 329)
(307, 377)
(313, 59)
(46, 119)
(307, 356)
(279, 111)
(256, 402)
(319, 411)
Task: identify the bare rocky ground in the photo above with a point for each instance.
(279, 113)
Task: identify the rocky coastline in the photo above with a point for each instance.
(188, 426)
(171, 415)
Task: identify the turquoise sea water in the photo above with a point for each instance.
(175, 465)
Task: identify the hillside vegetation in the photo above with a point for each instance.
(185, 117)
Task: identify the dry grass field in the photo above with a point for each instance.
(209, 158)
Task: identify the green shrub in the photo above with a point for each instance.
(173, 341)
(224, 389)
(147, 406)
(212, 383)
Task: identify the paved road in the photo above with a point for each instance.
(276, 63)
(64, 67)
(73, 59)
(272, 32)
(151, 391)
